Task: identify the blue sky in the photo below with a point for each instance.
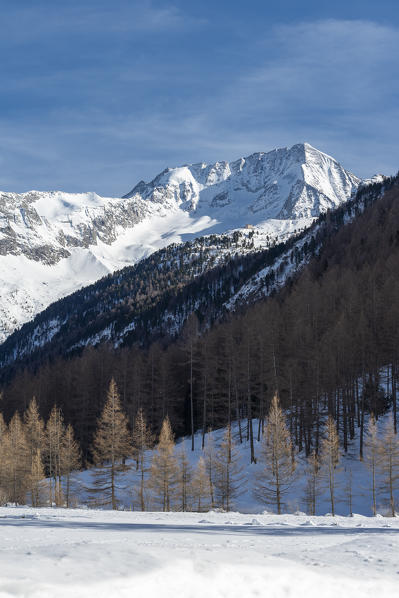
(96, 95)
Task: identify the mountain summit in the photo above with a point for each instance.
(286, 183)
(52, 243)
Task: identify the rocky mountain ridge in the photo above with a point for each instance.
(53, 243)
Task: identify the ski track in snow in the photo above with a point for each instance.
(62, 552)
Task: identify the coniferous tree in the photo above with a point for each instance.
(372, 456)
(3, 426)
(3, 466)
(329, 458)
(276, 475)
(111, 446)
(389, 463)
(210, 460)
(164, 469)
(142, 442)
(184, 478)
(34, 429)
(190, 340)
(229, 477)
(16, 461)
(200, 487)
(38, 486)
(349, 490)
(70, 461)
(54, 434)
(312, 487)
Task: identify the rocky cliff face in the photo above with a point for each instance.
(288, 183)
(45, 226)
(52, 243)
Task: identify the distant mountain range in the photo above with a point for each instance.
(53, 243)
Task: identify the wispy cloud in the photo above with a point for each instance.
(28, 21)
(338, 64)
(334, 83)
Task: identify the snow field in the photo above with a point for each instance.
(63, 553)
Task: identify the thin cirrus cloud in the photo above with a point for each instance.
(333, 83)
(332, 63)
(28, 21)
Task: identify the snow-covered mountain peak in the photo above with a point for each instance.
(375, 179)
(52, 243)
(294, 182)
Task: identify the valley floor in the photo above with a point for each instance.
(50, 553)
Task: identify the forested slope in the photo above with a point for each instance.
(320, 341)
(151, 300)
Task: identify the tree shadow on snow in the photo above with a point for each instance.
(200, 528)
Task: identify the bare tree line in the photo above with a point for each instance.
(37, 461)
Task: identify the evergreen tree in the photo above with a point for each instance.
(229, 477)
(329, 458)
(312, 487)
(111, 446)
(70, 461)
(372, 456)
(142, 442)
(389, 463)
(3, 464)
(37, 480)
(349, 490)
(190, 339)
(164, 469)
(210, 459)
(16, 458)
(3, 426)
(184, 478)
(54, 434)
(34, 429)
(277, 461)
(200, 487)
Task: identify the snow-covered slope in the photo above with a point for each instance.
(52, 243)
(352, 476)
(67, 553)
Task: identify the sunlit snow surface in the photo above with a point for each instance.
(50, 553)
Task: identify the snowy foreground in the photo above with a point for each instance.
(59, 552)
